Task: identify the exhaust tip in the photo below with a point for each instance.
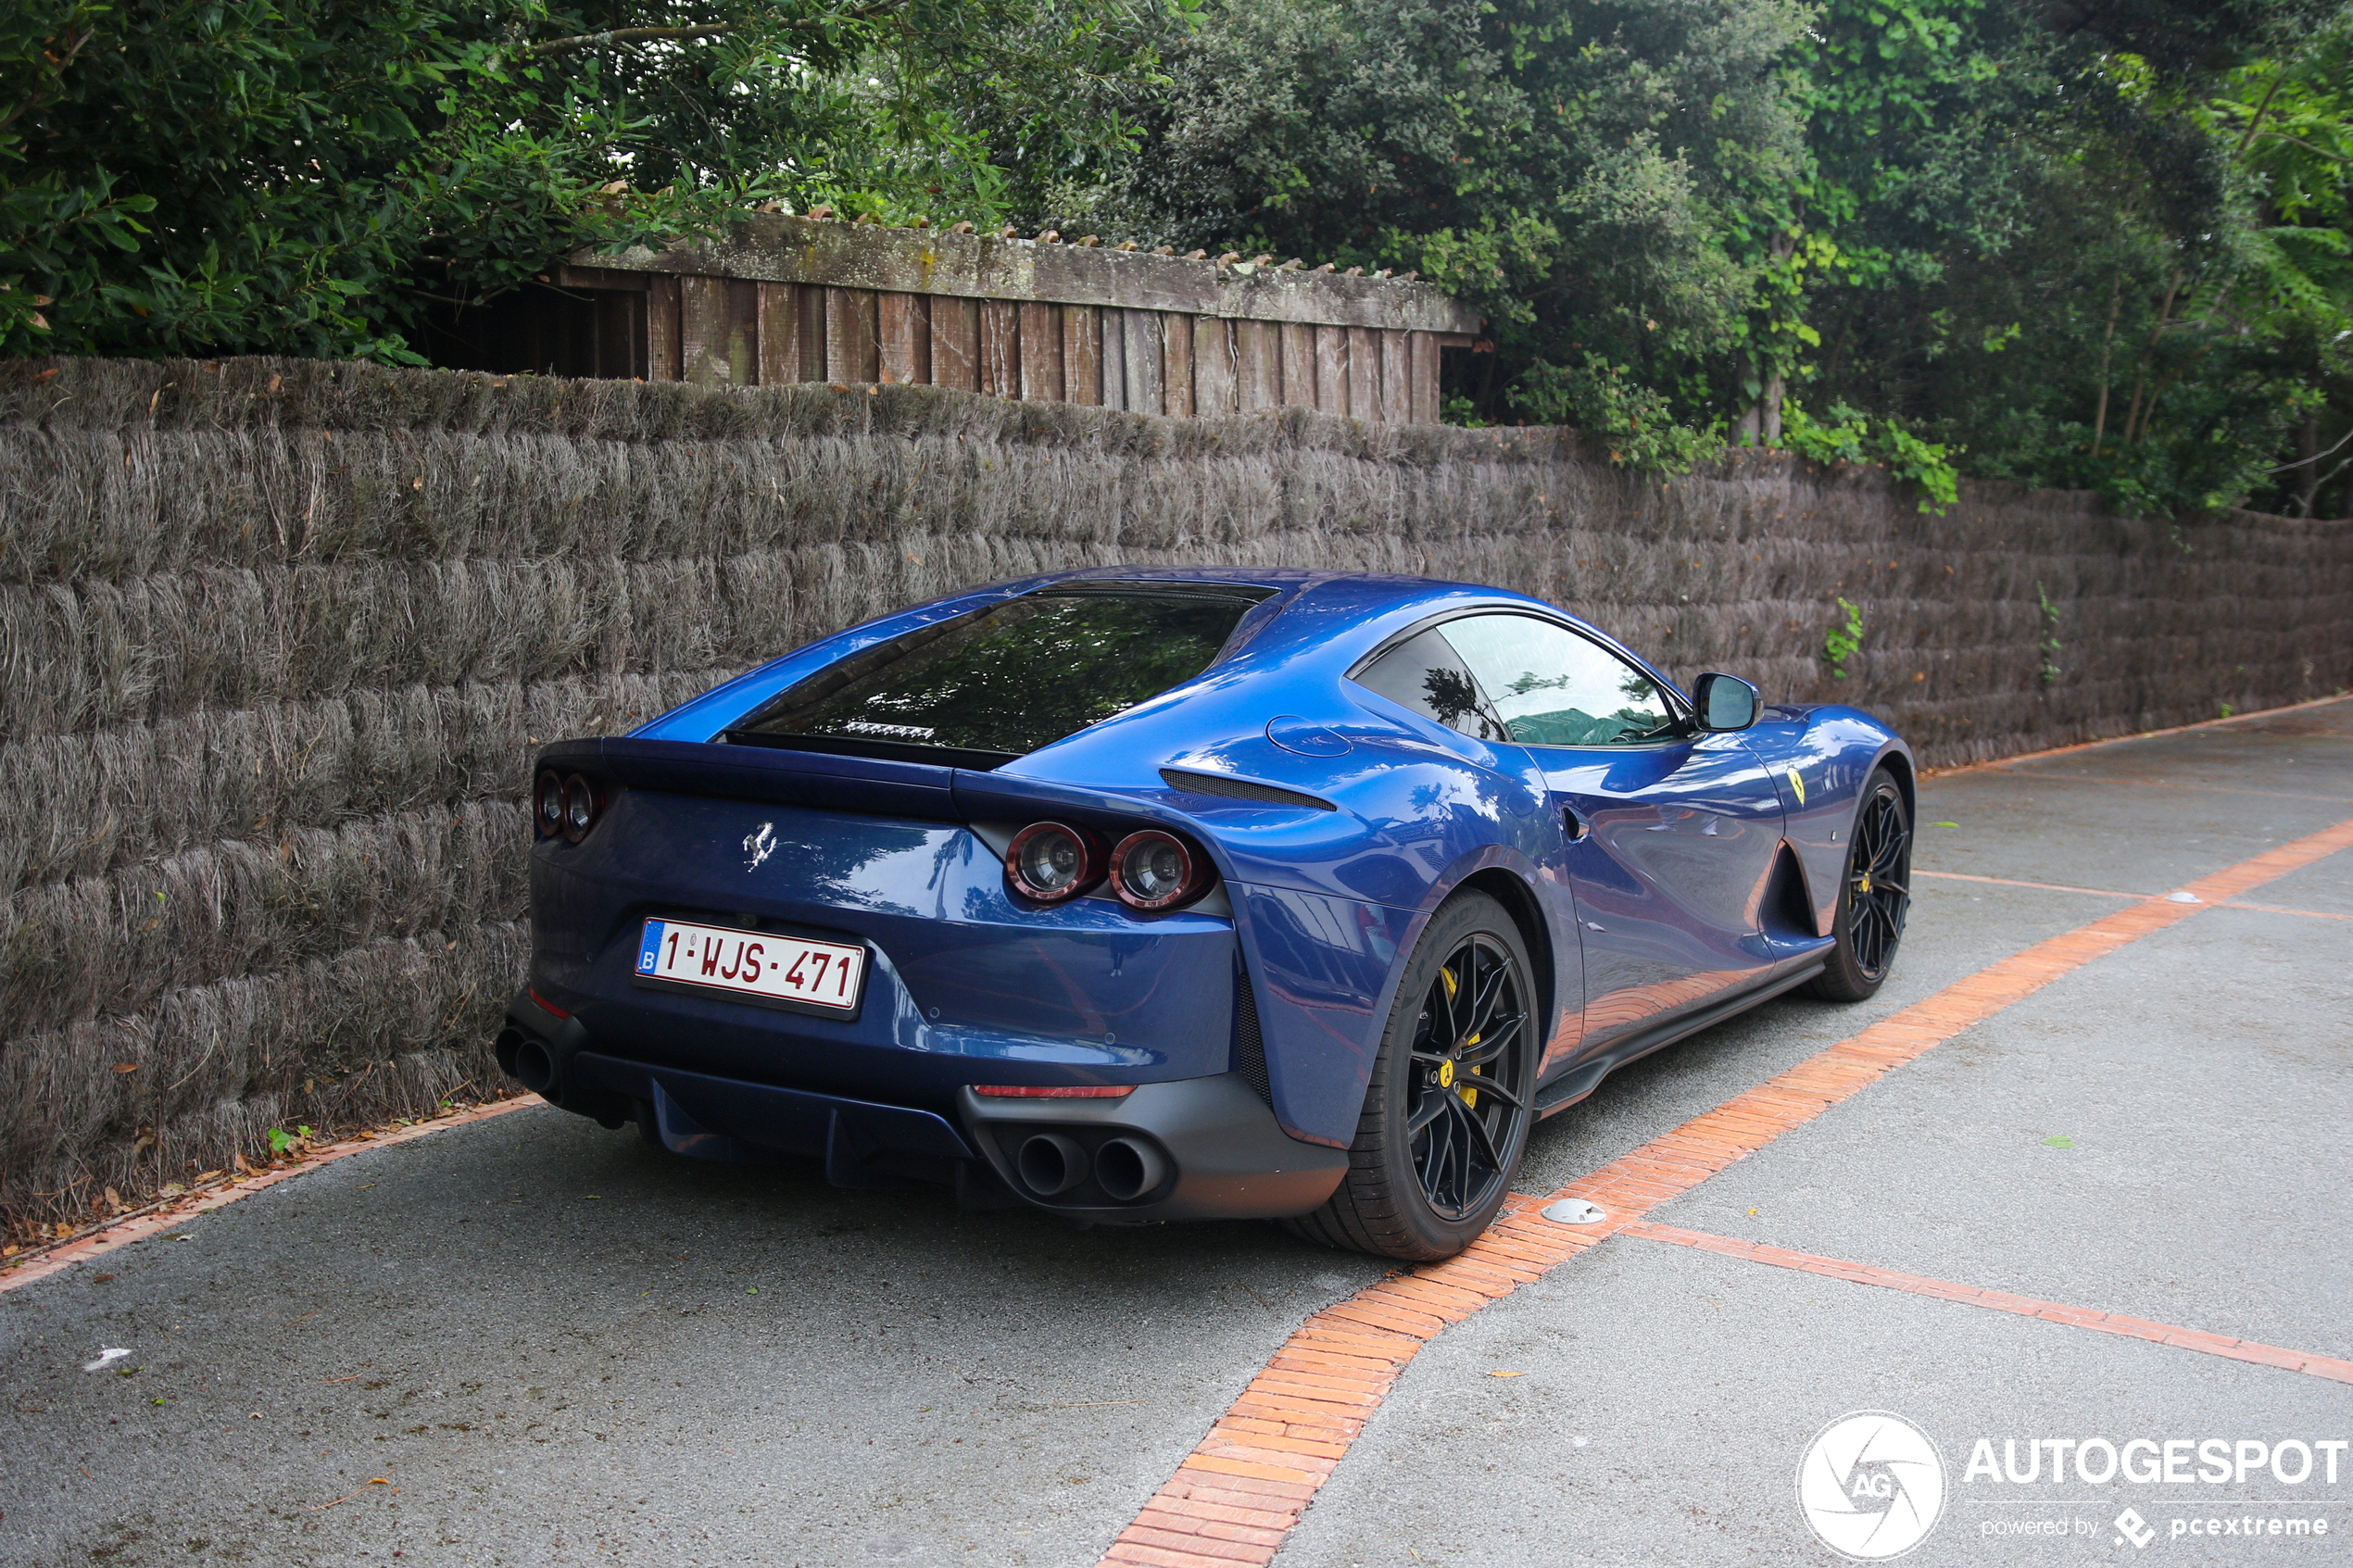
(535, 1067)
(1052, 1164)
(510, 1040)
(1127, 1169)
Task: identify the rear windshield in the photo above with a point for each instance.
(1008, 678)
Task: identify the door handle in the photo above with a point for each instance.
(1573, 823)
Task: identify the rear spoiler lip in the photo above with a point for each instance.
(871, 784)
(867, 785)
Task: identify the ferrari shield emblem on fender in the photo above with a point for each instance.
(1798, 785)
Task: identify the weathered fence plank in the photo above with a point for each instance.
(1041, 351)
(1258, 365)
(1000, 348)
(1083, 354)
(1213, 365)
(955, 343)
(906, 337)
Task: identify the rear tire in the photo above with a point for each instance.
(1874, 894)
(1451, 1096)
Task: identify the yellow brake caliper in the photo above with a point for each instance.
(1446, 1069)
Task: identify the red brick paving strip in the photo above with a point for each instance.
(1999, 1301)
(1272, 1448)
(41, 1265)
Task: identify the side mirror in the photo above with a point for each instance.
(1726, 702)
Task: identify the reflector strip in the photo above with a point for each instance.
(1053, 1091)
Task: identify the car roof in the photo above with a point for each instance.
(1319, 618)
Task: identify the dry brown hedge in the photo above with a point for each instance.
(277, 637)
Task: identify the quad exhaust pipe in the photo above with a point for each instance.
(1126, 1168)
(525, 1057)
(1052, 1164)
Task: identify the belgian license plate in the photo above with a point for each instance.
(753, 964)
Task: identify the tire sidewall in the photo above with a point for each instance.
(1467, 914)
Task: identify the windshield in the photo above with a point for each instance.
(1011, 678)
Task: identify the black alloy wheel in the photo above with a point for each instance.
(1875, 898)
(1470, 1017)
(1452, 1095)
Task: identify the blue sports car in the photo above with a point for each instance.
(1143, 895)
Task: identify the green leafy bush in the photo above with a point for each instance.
(1845, 641)
(1850, 437)
(1637, 421)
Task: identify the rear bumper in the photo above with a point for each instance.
(1205, 1148)
(1193, 1149)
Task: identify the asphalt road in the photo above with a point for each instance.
(531, 1341)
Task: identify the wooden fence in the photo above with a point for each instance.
(798, 299)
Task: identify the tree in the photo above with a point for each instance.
(300, 177)
(2023, 235)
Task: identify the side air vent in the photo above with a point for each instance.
(1240, 789)
(1250, 1047)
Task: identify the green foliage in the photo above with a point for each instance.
(281, 1140)
(1637, 421)
(2098, 246)
(2084, 246)
(1850, 436)
(291, 176)
(1845, 641)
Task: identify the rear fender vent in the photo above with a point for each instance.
(1240, 789)
(1250, 1046)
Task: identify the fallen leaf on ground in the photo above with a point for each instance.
(126, 1067)
(1507, 1374)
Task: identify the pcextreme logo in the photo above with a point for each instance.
(1871, 1484)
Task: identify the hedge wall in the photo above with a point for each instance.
(279, 637)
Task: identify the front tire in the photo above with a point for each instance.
(1451, 1096)
(1874, 896)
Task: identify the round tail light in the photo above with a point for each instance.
(1157, 870)
(1049, 862)
(549, 804)
(580, 807)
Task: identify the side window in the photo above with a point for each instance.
(1552, 687)
(1425, 674)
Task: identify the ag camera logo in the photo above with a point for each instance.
(1872, 1485)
